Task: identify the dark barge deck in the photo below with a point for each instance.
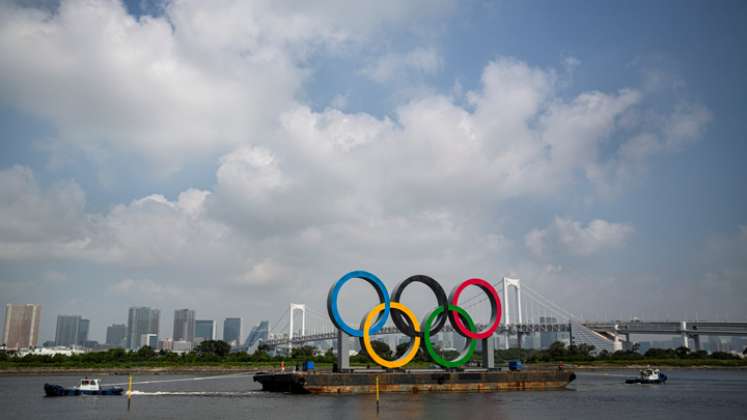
(364, 382)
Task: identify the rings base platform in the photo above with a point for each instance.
(413, 381)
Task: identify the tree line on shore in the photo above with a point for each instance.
(219, 352)
(558, 351)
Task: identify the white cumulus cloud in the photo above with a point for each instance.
(193, 83)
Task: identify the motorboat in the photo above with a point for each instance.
(648, 376)
(87, 387)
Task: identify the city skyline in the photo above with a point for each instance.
(75, 328)
(74, 335)
(232, 158)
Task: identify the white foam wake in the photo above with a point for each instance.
(203, 378)
(196, 393)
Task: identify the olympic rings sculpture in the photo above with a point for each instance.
(404, 319)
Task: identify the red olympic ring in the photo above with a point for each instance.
(495, 310)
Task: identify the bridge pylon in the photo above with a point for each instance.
(516, 284)
(296, 307)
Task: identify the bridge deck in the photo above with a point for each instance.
(627, 327)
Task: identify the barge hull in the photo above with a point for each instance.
(413, 381)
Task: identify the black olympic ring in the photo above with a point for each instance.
(399, 319)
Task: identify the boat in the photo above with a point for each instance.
(87, 387)
(414, 381)
(648, 376)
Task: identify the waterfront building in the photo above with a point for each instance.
(51, 351)
(184, 324)
(181, 346)
(547, 338)
(150, 340)
(739, 344)
(90, 344)
(141, 320)
(232, 331)
(720, 343)
(21, 328)
(83, 327)
(166, 344)
(259, 332)
(72, 330)
(204, 330)
(68, 327)
(116, 334)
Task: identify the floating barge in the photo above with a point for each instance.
(364, 382)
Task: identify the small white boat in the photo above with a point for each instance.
(648, 376)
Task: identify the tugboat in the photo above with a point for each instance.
(86, 387)
(648, 376)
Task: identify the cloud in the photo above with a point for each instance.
(31, 215)
(569, 237)
(418, 62)
(40, 223)
(664, 134)
(535, 241)
(685, 125)
(166, 91)
(327, 177)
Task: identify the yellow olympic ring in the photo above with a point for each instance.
(405, 359)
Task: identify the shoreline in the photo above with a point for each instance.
(33, 371)
(659, 365)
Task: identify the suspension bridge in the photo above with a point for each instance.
(526, 313)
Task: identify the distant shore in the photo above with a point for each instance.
(114, 371)
(660, 365)
(249, 369)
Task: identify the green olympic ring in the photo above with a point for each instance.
(466, 354)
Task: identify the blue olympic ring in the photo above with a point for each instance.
(333, 310)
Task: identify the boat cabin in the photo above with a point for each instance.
(650, 374)
(87, 384)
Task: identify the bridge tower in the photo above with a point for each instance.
(296, 307)
(516, 284)
(683, 328)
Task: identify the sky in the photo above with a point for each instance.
(233, 157)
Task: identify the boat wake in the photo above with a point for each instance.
(195, 393)
(203, 378)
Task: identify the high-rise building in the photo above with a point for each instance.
(184, 325)
(547, 338)
(115, 335)
(68, 332)
(260, 332)
(232, 331)
(204, 330)
(21, 328)
(141, 320)
(83, 328)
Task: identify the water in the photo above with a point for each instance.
(690, 393)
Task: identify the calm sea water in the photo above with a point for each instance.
(690, 393)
